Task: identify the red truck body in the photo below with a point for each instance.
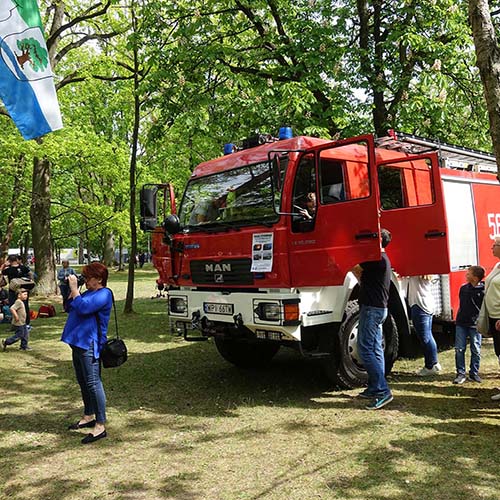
(442, 220)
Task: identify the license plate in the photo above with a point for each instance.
(216, 308)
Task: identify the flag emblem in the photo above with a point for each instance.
(26, 80)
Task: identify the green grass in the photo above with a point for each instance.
(184, 424)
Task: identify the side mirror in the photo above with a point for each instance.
(172, 224)
(148, 208)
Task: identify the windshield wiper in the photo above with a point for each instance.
(258, 222)
(212, 227)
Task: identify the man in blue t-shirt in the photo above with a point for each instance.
(374, 282)
(62, 276)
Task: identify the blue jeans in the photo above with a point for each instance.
(88, 375)
(370, 349)
(461, 334)
(22, 334)
(422, 322)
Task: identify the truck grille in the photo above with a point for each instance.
(222, 272)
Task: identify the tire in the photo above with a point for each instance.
(346, 367)
(246, 354)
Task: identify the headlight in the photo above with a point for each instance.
(268, 311)
(178, 305)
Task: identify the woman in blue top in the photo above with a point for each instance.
(85, 340)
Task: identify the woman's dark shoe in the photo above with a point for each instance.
(90, 438)
(78, 425)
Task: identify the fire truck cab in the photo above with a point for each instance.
(260, 253)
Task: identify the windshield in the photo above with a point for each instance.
(233, 196)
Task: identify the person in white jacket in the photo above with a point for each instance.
(421, 302)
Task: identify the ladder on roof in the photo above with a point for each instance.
(451, 156)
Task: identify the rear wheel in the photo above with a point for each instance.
(246, 354)
(346, 367)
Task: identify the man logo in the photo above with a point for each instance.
(218, 278)
(220, 268)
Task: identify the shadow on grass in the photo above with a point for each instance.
(190, 379)
(48, 489)
(458, 461)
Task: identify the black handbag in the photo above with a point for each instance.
(114, 352)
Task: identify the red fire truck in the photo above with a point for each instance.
(248, 262)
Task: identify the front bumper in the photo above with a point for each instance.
(270, 316)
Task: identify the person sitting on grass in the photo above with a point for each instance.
(19, 321)
(5, 315)
(471, 298)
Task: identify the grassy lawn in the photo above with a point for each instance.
(185, 424)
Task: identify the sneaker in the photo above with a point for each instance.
(380, 402)
(427, 372)
(475, 378)
(25, 349)
(366, 394)
(459, 379)
(4, 346)
(495, 397)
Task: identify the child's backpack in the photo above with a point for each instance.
(46, 311)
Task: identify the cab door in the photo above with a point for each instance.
(413, 209)
(344, 228)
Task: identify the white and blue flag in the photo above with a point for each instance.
(26, 80)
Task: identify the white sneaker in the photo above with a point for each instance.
(495, 397)
(427, 372)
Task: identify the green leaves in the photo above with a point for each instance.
(217, 71)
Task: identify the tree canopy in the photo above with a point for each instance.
(180, 79)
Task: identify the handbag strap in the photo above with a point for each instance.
(99, 331)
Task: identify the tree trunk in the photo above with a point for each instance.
(109, 249)
(488, 62)
(108, 254)
(132, 178)
(25, 247)
(45, 267)
(81, 248)
(11, 218)
(120, 258)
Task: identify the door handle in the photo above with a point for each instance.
(435, 234)
(366, 236)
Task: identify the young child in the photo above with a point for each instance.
(471, 297)
(19, 321)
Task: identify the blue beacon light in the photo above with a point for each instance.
(285, 133)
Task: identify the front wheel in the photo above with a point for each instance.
(346, 368)
(246, 354)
